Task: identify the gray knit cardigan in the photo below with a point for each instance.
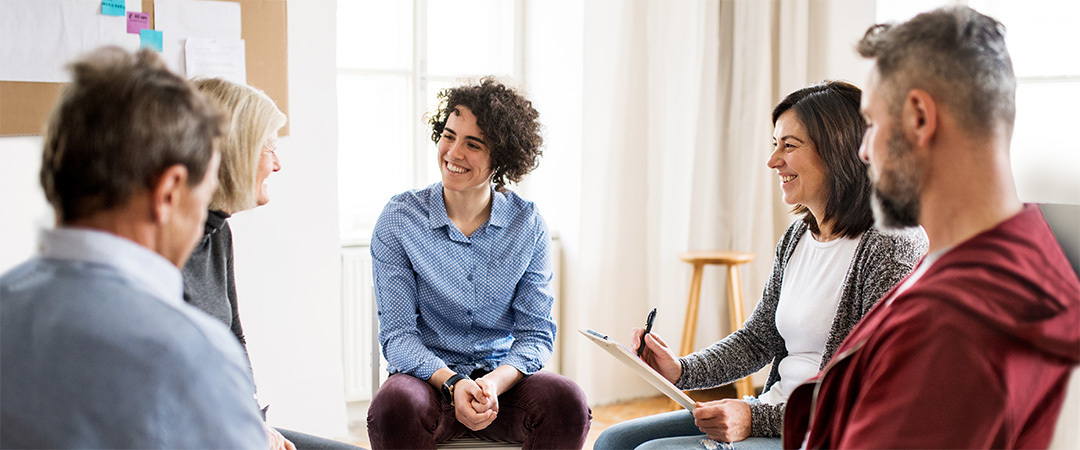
(882, 259)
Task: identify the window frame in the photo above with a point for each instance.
(419, 78)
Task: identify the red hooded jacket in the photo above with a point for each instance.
(976, 354)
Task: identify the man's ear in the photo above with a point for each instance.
(168, 191)
(919, 117)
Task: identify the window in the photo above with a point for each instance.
(393, 56)
(1048, 88)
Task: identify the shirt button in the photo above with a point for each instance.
(468, 313)
(468, 277)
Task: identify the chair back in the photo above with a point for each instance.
(1064, 221)
(1067, 430)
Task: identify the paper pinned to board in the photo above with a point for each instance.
(39, 38)
(137, 21)
(150, 39)
(184, 19)
(113, 7)
(223, 58)
(627, 357)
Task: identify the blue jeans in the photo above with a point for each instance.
(672, 430)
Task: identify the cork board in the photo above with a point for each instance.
(24, 106)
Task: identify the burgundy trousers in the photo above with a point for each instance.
(543, 410)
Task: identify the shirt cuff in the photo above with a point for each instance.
(685, 378)
(427, 368)
(522, 364)
(766, 420)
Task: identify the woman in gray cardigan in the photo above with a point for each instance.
(823, 282)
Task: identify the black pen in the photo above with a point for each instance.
(648, 328)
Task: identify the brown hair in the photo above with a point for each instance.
(957, 55)
(509, 123)
(252, 118)
(830, 113)
(121, 122)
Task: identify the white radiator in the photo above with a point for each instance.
(362, 358)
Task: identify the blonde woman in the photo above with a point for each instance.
(247, 159)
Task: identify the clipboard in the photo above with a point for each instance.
(639, 367)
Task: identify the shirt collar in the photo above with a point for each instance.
(437, 206)
(149, 271)
(500, 208)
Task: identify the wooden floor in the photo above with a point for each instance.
(607, 415)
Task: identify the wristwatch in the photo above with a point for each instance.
(448, 386)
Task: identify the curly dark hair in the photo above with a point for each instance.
(508, 121)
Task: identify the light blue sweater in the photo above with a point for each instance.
(98, 350)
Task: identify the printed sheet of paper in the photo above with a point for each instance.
(180, 20)
(38, 38)
(216, 58)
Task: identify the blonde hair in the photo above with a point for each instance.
(252, 118)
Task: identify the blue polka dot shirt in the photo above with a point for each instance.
(466, 303)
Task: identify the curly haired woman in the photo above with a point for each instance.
(463, 274)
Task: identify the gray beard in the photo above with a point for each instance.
(900, 207)
(892, 213)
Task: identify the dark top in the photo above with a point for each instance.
(208, 276)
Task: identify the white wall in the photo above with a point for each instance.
(288, 263)
(835, 27)
(553, 77)
(287, 253)
(21, 199)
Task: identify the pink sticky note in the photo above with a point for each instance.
(137, 21)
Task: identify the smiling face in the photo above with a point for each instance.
(268, 163)
(798, 165)
(464, 159)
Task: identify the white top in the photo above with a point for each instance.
(809, 295)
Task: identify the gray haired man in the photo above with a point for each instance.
(97, 347)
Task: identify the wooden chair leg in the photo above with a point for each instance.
(690, 324)
(744, 386)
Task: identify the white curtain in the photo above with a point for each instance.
(677, 102)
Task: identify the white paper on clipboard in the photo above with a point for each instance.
(639, 367)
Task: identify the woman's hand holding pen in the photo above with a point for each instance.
(658, 355)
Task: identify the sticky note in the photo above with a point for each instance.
(137, 21)
(113, 7)
(150, 39)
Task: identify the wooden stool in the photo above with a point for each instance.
(732, 260)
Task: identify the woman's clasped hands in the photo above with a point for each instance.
(476, 403)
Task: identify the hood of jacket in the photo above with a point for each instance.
(1028, 291)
